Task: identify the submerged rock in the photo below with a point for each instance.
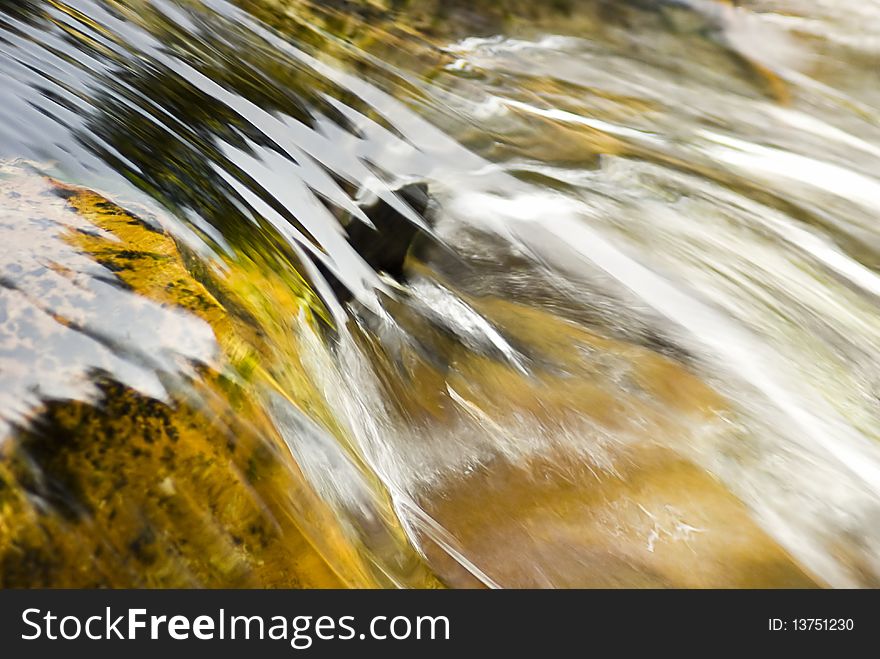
(585, 471)
(384, 246)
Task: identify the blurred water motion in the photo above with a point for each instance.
(633, 342)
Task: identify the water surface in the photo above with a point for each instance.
(635, 343)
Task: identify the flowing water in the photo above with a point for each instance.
(635, 341)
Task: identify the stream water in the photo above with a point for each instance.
(635, 342)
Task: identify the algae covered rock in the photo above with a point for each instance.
(136, 450)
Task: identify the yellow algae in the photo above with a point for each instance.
(194, 491)
(135, 492)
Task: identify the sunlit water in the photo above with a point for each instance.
(636, 344)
